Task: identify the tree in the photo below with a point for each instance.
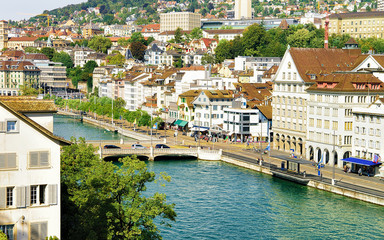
(222, 51)
(31, 50)
(63, 58)
(90, 66)
(207, 59)
(116, 59)
(28, 91)
(49, 52)
(123, 42)
(3, 236)
(137, 37)
(101, 200)
(178, 35)
(254, 39)
(138, 50)
(100, 43)
(196, 33)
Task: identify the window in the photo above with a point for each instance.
(319, 123)
(10, 196)
(214, 107)
(326, 124)
(311, 122)
(8, 230)
(39, 159)
(348, 126)
(334, 125)
(12, 126)
(7, 161)
(39, 230)
(34, 195)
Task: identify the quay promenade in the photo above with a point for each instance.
(370, 189)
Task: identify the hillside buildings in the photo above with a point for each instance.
(243, 9)
(184, 20)
(357, 24)
(3, 34)
(30, 170)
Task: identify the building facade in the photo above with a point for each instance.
(14, 74)
(3, 34)
(30, 170)
(243, 9)
(184, 20)
(357, 24)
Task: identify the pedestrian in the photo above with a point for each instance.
(360, 172)
(345, 168)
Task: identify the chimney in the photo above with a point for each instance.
(326, 31)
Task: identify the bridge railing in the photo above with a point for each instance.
(175, 151)
(117, 151)
(124, 141)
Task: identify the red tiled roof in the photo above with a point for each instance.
(22, 39)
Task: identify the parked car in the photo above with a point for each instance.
(111, 146)
(138, 146)
(161, 146)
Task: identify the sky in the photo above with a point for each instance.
(24, 9)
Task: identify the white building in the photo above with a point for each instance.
(30, 170)
(118, 30)
(243, 9)
(368, 137)
(244, 123)
(184, 20)
(209, 107)
(227, 34)
(329, 113)
(80, 55)
(298, 70)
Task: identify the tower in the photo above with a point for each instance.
(3, 34)
(243, 9)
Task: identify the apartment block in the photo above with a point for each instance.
(184, 20)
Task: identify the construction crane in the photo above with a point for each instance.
(45, 15)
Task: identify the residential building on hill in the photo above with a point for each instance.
(357, 24)
(184, 20)
(3, 34)
(243, 9)
(30, 170)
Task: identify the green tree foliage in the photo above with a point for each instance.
(338, 41)
(196, 33)
(207, 59)
(49, 52)
(102, 200)
(3, 236)
(137, 37)
(123, 42)
(178, 35)
(116, 59)
(100, 43)
(138, 50)
(31, 50)
(28, 91)
(256, 41)
(63, 58)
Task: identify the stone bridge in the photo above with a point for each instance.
(151, 153)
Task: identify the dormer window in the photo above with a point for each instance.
(368, 65)
(313, 76)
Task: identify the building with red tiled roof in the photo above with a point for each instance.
(21, 42)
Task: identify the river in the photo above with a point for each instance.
(215, 200)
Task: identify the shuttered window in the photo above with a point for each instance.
(39, 230)
(39, 159)
(3, 127)
(7, 161)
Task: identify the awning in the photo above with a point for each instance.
(180, 123)
(170, 120)
(360, 161)
(199, 128)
